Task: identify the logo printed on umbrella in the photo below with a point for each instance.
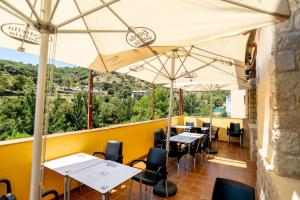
(136, 68)
(21, 32)
(143, 36)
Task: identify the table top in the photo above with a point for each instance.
(182, 126)
(73, 163)
(105, 176)
(186, 137)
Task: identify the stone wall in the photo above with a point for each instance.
(264, 186)
(252, 116)
(285, 100)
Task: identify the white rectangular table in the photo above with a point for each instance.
(71, 164)
(105, 176)
(99, 174)
(186, 138)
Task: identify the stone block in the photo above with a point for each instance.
(287, 82)
(294, 5)
(286, 164)
(283, 101)
(287, 41)
(286, 141)
(298, 59)
(285, 26)
(289, 121)
(297, 20)
(284, 60)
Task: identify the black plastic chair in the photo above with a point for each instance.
(235, 131)
(215, 135)
(8, 195)
(196, 130)
(113, 151)
(159, 139)
(156, 169)
(176, 151)
(196, 148)
(51, 192)
(226, 189)
(189, 124)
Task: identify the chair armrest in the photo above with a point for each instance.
(135, 161)
(162, 170)
(53, 192)
(7, 183)
(101, 153)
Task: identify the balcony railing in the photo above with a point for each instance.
(137, 138)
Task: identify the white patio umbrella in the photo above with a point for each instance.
(119, 33)
(210, 87)
(194, 63)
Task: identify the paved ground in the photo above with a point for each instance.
(231, 162)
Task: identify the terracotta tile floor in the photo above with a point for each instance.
(231, 162)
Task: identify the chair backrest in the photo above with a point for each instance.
(159, 138)
(189, 123)
(196, 130)
(156, 158)
(235, 127)
(217, 133)
(114, 151)
(205, 124)
(226, 189)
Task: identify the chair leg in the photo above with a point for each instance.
(151, 197)
(194, 162)
(129, 195)
(229, 140)
(178, 169)
(166, 182)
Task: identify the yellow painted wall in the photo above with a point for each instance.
(16, 155)
(223, 123)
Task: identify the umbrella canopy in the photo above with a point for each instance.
(210, 61)
(210, 87)
(116, 32)
(221, 59)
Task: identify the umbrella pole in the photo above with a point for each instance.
(211, 150)
(167, 188)
(35, 184)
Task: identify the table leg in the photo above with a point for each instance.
(103, 196)
(140, 186)
(67, 182)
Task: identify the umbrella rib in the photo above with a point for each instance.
(33, 10)
(198, 68)
(256, 9)
(73, 31)
(161, 69)
(182, 63)
(53, 11)
(16, 10)
(16, 15)
(183, 60)
(132, 30)
(200, 49)
(158, 71)
(86, 13)
(87, 28)
(219, 68)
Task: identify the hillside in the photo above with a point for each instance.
(15, 76)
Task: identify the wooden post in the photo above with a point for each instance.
(90, 99)
(153, 101)
(180, 103)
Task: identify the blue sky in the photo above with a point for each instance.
(9, 54)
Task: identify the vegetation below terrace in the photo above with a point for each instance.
(113, 102)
